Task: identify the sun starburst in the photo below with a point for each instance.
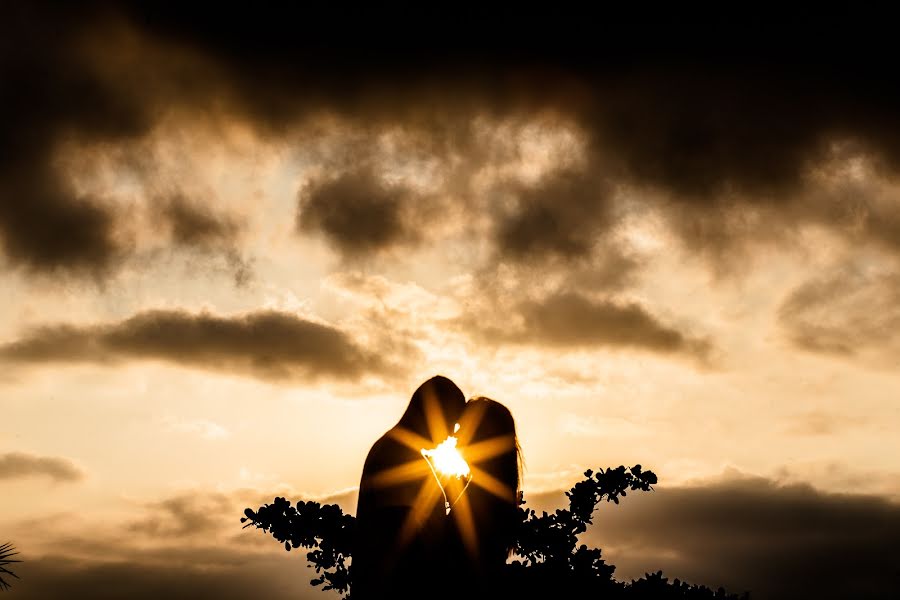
(444, 463)
(447, 459)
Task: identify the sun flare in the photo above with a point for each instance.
(447, 459)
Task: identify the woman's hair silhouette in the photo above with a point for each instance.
(401, 522)
(487, 514)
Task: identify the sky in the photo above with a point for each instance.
(232, 247)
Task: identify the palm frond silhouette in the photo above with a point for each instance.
(7, 550)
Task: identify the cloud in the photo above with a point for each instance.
(270, 345)
(64, 91)
(59, 577)
(194, 225)
(751, 533)
(185, 516)
(207, 515)
(573, 320)
(357, 212)
(188, 545)
(17, 465)
(657, 110)
(664, 112)
(46, 226)
(851, 311)
(562, 214)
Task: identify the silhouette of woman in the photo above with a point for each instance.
(486, 515)
(400, 516)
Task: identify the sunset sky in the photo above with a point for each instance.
(231, 248)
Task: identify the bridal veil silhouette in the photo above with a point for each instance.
(401, 517)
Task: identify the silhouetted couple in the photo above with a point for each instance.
(425, 534)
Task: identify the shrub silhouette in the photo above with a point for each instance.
(547, 558)
(323, 528)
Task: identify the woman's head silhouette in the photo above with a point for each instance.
(490, 424)
(488, 434)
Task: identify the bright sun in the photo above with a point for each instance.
(447, 458)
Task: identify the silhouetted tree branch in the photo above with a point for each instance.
(547, 557)
(323, 528)
(547, 550)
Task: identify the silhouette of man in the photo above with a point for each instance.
(400, 515)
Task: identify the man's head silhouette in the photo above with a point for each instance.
(400, 514)
(434, 409)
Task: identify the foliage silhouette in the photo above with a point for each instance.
(547, 554)
(323, 528)
(547, 558)
(6, 551)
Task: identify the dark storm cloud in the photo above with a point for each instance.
(46, 228)
(247, 576)
(357, 212)
(193, 225)
(75, 76)
(723, 121)
(845, 312)
(778, 541)
(18, 465)
(572, 320)
(266, 344)
(47, 94)
(564, 214)
(699, 108)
